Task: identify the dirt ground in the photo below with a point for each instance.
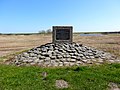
(15, 43)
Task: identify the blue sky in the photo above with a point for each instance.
(27, 16)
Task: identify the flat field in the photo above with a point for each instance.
(10, 44)
(14, 43)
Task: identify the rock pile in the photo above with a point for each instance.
(65, 54)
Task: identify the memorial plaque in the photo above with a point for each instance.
(62, 34)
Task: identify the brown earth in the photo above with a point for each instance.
(15, 43)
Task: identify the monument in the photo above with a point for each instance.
(62, 52)
(62, 34)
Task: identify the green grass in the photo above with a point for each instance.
(78, 78)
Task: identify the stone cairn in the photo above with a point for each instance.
(62, 54)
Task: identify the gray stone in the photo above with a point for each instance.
(90, 54)
(47, 59)
(83, 49)
(72, 64)
(33, 63)
(47, 63)
(118, 61)
(17, 62)
(38, 56)
(96, 56)
(64, 51)
(42, 57)
(73, 57)
(21, 58)
(53, 57)
(50, 52)
(53, 61)
(111, 61)
(61, 84)
(85, 60)
(56, 64)
(56, 48)
(25, 54)
(79, 49)
(40, 61)
(73, 60)
(61, 50)
(73, 51)
(79, 58)
(34, 58)
(59, 56)
(90, 51)
(80, 55)
(113, 86)
(68, 59)
(40, 64)
(56, 51)
(35, 55)
(76, 54)
(71, 54)
(100, 61)
(89, 62)
(66, 63)
(67, 56)
(45, 54)
(32, 54)
(60, 63)
(87, 57)
(94, 60)
(103, 57)
(92, 57)
(79, 62)
(83, 57)
(64, 55)
(43, 49)
(63, 59)
(67, 47)
(30, 60)
(37, 52)
(69, 51)
(36, 61)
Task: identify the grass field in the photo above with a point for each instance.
(78, 78)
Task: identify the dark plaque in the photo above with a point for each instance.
(62, 34)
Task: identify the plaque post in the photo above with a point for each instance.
(62, 34)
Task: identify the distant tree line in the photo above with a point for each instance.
(48, 31)
(111, 32)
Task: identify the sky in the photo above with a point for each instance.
(32, 16)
